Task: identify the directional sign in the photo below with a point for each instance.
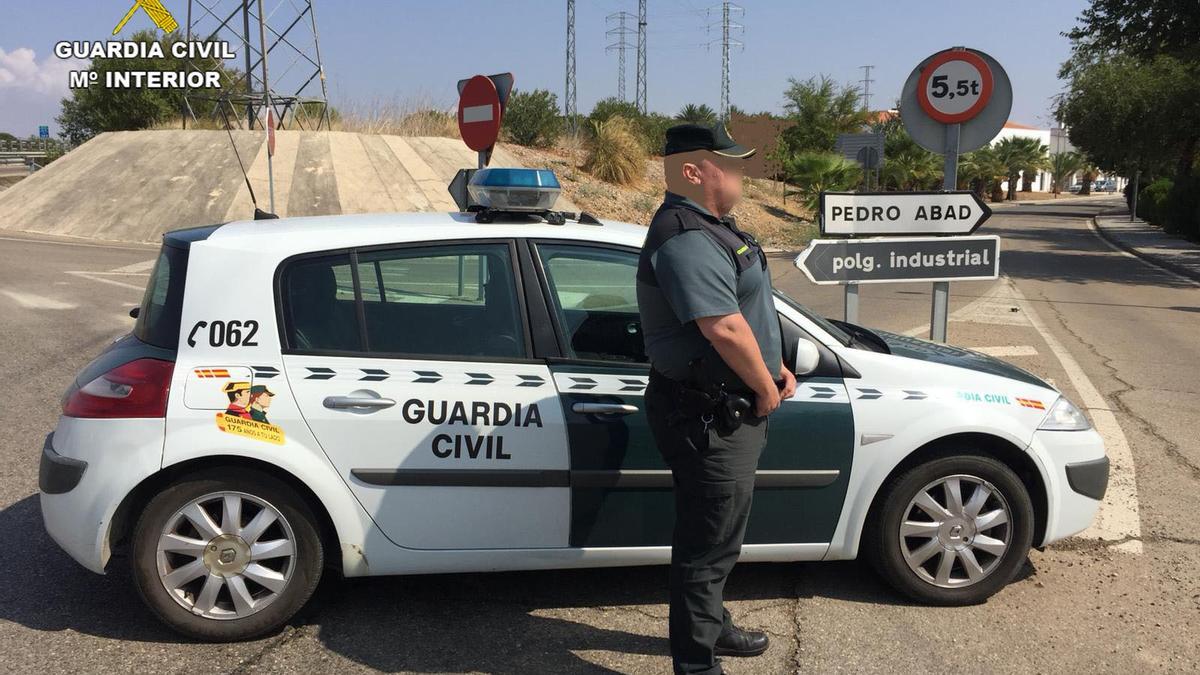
(43, 131)
(479, 113)
(901, 213)
(955, 86)
(874, 261)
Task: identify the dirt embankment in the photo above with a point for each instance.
(762, 212)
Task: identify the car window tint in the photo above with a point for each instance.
(594, 294)
(319, 303)
(446, 301)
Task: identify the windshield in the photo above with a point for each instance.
(837, 333)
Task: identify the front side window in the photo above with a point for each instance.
(594, 294)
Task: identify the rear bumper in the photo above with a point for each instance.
(58, 474)
(88, 467)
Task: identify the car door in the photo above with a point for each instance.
(620, 486)
(412, 366)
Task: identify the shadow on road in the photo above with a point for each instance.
(501, 622)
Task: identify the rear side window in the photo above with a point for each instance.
(162, 304)
(433, 302)
(318, 301)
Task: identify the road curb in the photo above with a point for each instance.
(1165, 265)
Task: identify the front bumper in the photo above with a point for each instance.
(1076, 473)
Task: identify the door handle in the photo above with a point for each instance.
(604, 408)
(358, 402)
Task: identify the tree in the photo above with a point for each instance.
(984, 171)
(1140, 28)
(1034, 158)
(96, 109)
(907, 165)
(815, 172)
(531, 118)
(820, 110)
(1062, 166)
(612, 107)
(697, 114)
(1087, 176)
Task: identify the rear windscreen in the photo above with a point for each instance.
(158, 318)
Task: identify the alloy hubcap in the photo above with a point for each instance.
(955, 531)
(226, 555)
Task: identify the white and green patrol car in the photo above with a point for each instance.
(425, 393)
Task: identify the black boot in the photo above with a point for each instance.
(737, 642)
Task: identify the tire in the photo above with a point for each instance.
(212, 581)
(978, 565)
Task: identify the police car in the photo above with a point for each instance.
(429, 393)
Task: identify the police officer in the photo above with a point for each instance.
(712, 336)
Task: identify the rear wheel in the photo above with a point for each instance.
(952, 531)
(226, 557)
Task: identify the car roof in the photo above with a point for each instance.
(289, 236)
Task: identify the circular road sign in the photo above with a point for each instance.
(954, 86)
(988, 110)
(479, 113)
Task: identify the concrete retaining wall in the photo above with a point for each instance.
(134, 185)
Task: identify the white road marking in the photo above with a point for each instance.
(1119, 517)
(142, 268)
(1007, 350)
(92, 276)
(31, 301)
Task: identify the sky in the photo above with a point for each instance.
(409, 52)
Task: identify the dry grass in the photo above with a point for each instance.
(615, 153)
(412, 117)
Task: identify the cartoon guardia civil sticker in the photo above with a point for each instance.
(247, 413)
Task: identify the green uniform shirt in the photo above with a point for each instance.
(697, 278)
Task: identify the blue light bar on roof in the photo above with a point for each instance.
(509, 189)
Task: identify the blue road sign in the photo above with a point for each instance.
(43, 132)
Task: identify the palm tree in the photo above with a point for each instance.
(1034, 156)
(697, 114)
(1014, 154)
(1089, 174)
(817, 172)
(1062, 166)
(983, 171)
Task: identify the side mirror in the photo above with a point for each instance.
(807, 358)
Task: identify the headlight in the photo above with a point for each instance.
(1064, 416)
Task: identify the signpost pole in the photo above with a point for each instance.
(850, 313)
(939, 314)
(482, 159)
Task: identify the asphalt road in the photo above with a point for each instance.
(1124, 597)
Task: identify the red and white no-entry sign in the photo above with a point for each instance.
(479, 113)
(955, 86)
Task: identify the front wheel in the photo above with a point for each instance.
(952, 531)
(227, 555)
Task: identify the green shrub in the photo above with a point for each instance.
(615, 152)
(654, 132)
(531, 118)
(1181, 207)
(614, 107)
(1152, 201)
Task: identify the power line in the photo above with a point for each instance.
(639, 94)
(569, 109)
(866, 82)
(726, 41)
(619, 33)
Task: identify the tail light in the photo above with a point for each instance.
(136, 389)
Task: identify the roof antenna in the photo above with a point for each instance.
(259, 214)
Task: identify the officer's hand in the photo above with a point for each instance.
(765, 402)
(788, 389)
